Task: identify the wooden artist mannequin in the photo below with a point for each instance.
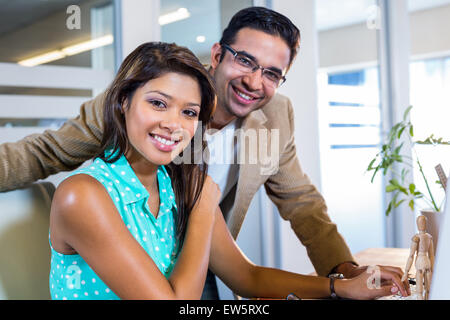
(422, 244)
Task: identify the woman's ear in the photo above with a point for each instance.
(124, 106)
(216, 52)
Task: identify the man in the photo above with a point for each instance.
(250, 62)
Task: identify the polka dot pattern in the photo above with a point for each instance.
(72, 278)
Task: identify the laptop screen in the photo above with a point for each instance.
(440, 283)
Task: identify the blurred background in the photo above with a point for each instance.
(361, 64)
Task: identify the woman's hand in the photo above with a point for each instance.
(375, 282)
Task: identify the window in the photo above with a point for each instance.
(349, 119)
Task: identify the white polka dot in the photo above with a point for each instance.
(133, 180)
(56, 296)
(164, 190)
(75, 295)
(113, 166)
(145, 232)
(107, 290)
(144, 239)
(122, 173)
(106, 174)
(93, 280)
(162, 204)
(117, 199)
(96, 292)
(138, 195)
(62, 261)
(71, 286)
(167, 256)
(162, 240)
(74, 262)
(102, 166)
(109, 189)
(128, 189)
(142, 214)
(86, 294)
(152, 232)
(83, 282)
(64, 298)
(117, 181)
(92, 168)
(157, 248)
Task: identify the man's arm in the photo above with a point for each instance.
(299, 202)
(39, 155)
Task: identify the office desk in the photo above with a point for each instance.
(395, 257)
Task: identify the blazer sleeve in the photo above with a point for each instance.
(39, 155)
(299, 202)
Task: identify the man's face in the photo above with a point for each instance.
(240, 93)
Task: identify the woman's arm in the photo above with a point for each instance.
(85, 218)
(229, 263)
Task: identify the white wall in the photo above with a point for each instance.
(301, 88)
(139, 22)
(357, 44)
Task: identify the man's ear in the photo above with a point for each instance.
(216, 52)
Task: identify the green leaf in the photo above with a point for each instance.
(399, 203)
(405, 115)
(389, 208)
(391, 188)
(411, 204)
(412, 188)
(371, 164)
(400, 132)
(411, 131)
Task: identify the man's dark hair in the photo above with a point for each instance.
(266, 20)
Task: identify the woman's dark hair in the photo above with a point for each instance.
(150, 61)
(266, 20)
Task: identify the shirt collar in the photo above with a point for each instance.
(132, 190)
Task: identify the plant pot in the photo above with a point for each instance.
(434, 220)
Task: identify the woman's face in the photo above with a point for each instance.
(163, 117)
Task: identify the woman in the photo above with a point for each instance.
(135, 225)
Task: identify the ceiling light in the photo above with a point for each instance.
(200, 39)
(180, 14)
(43, 58)
(67, 51)
(88, 45)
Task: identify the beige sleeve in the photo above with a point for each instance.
(40, 155)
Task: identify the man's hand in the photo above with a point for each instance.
(350, 270)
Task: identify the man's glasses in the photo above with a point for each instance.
(248, 65)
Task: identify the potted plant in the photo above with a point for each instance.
(390, 158)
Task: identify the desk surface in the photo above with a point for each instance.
(396, 257)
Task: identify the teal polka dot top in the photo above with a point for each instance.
(72, 278)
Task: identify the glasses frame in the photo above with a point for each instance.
(256, 67)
